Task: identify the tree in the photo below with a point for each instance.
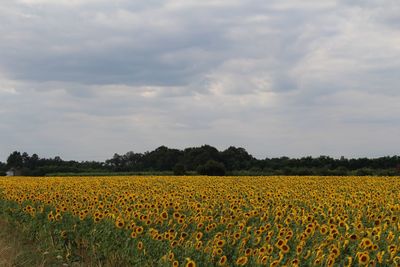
(116, 163)
(162, 158)
(179, 169)
(33, 161)
(236, 158)
(2, 169)
(196, 156)
(15, 160)
(212, 168)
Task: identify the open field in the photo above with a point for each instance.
(207, 221)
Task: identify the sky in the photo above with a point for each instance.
(84, 79)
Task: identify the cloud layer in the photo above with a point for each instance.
(85, 79)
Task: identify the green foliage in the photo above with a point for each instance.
(179, 169)
(212, 168)
(236, 161)
(15, 160)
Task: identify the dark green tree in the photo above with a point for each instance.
(196, 156)
(212, 168)
(236, 158)
(179, 169)
(15, 160)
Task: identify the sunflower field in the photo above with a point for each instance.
(210, 221)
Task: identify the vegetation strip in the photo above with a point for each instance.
(204, 160)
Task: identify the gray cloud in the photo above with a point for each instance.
(85, 79)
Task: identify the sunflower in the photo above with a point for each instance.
(119, 223)
(218, 251)
(353, 237)
(220, 243)
(318, 261)
(335, 251)
(58, 216)
(262, 250)
(199, 245)
(280, 243)
(330, 261)
(295, 262)
(199, 235)
(50, 216)
(190, 263)
(275, 263)
(391, 248)
(171, 256)
(363, 258)
(63, 234)
(173, 244)
(248, 252)
(242, 261)
(264, 260)
(236, 236)
(166, 236)
(365, 243)
(390, 236)
(323, 230)
(285, 249)
(222, 261)
(299, 249)
(139, 229)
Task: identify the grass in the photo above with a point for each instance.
(16, 250)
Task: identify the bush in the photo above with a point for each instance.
(212, 168)
(179, 169)
(364, 172)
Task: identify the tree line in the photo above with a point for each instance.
(204, 160)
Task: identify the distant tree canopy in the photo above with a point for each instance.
(3, 168)
(212, 168)
(205, 160)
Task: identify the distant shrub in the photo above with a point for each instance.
(212, 168)
(179, 169)
(364, 172)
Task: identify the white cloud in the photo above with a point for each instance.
(7, 86)
(62, 2)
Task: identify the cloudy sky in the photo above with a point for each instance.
(86, 78)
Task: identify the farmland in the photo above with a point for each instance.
(209, 221)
